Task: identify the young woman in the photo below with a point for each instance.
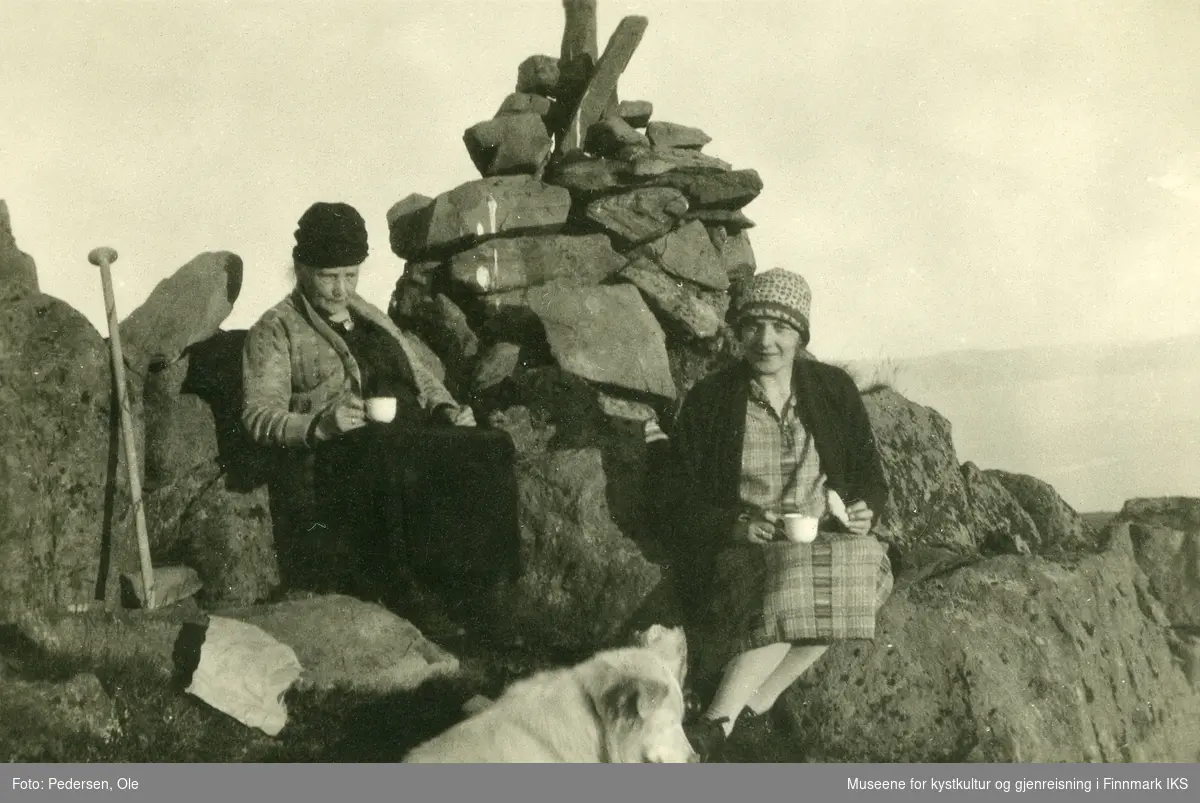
(775, 432)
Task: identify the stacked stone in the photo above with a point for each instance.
(573, 291)
(598, 240)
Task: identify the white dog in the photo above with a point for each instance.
(621, 706)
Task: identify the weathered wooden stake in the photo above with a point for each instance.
(601, 88)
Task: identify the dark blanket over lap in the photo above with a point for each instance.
(388, 504)
(450, 493)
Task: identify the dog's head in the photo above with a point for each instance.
(639, 703)
(668, 642)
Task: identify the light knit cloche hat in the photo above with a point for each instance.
(780, 294)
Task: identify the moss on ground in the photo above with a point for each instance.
(160, 723)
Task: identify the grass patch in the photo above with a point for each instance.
(160, 723)
(883, 376)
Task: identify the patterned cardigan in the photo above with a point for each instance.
(294, 367)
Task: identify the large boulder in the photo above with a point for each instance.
(687, 253)
(927, 501)
(186, 307)
(65, 533)
(731, 189)
(1001, 524)
(1060, 529)
(207, 501)
(18, 273)
(345, 643)
(678, 302)
(509, 144)
(1165, 533)
(1007, 659)
(581, 578)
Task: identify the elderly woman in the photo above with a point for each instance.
(308, 365)
(776, 432)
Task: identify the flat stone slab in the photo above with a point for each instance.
(674, 299)
(639, 215)
(506, 263)
(733, 220)
(605, 334)
(589, 176)
(343, 642)
(728, 190)
(647, 161)
(674, 135)
(688, 253)
(476, 210)
(612, 134)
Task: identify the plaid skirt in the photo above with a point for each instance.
(818, 593)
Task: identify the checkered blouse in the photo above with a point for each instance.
(780, 466)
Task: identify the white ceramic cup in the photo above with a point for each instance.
(799, 528)
(381, 409)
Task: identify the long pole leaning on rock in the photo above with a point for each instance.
(103, 258)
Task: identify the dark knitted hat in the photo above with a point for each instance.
(331, 235)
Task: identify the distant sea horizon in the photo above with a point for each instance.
(1102, 423)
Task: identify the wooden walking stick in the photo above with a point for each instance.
(103, 258)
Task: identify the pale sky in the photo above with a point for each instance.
(946, 174)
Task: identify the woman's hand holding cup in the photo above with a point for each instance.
(344, 417)
(753, 530)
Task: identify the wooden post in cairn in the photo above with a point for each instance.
(579, 53)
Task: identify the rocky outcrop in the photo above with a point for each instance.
(40, 715)
(185, 308)
(18, 273)
(927, 500)
(1060, 529)
(65, 533)
(1165, 533)
(1000, 523)
(207, 502)
(582, 578)
(345, 643)
(1006, 659)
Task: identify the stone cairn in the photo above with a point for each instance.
(575, 290)
(598, 240)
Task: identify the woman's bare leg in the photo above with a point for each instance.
(743, 676)
(794, 664)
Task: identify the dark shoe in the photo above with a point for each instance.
(707, 737)
(755, 733)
